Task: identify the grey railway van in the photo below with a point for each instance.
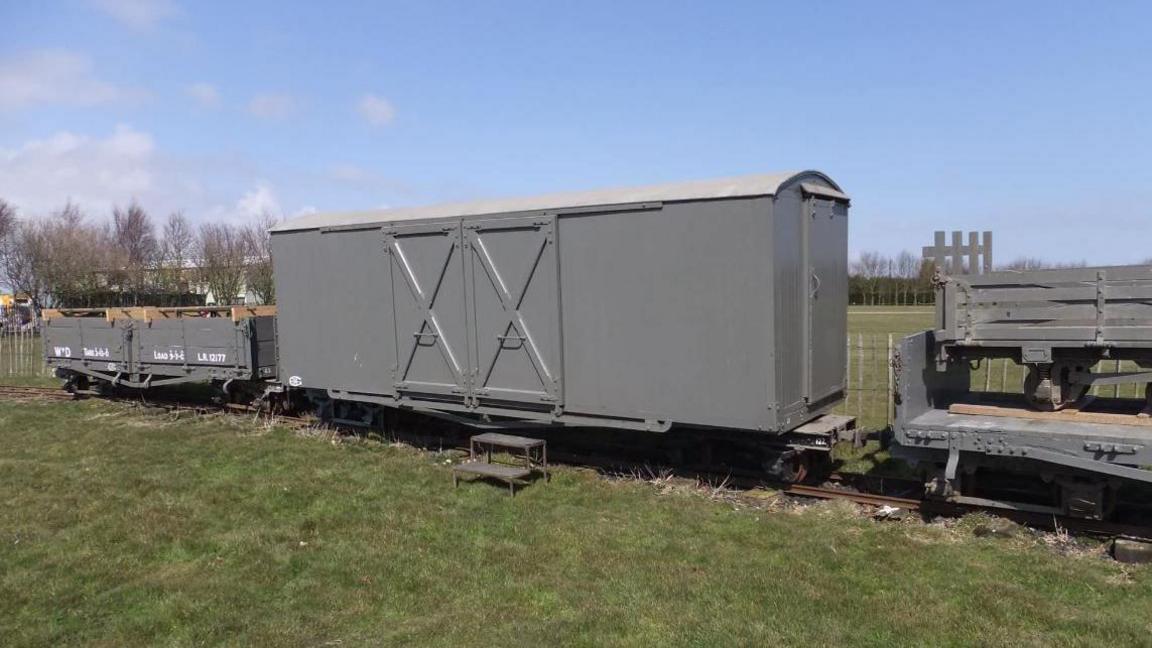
(717, 303)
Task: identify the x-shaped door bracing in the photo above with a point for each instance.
(425, 296)
(514, 331)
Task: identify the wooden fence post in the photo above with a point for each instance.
(888, 417)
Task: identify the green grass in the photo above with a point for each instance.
(882, 320)
(121, 528)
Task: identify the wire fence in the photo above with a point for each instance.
(21, 351)
(870, 380)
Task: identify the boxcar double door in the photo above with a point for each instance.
(476, 310)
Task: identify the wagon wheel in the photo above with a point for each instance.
(76, 383)
(794, 469)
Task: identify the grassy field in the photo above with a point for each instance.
(125, 528)
(869, 330)
(882, 320)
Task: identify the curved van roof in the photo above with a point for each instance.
(741, 186)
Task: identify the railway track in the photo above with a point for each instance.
(34, 393)
(852, 488)
(870, 499)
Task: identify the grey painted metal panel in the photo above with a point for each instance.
(693, 311)
(334, 310)
(87, 342)
(204, 347)
(665, 311)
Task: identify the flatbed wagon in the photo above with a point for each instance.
(151, 347)
(1053, 446)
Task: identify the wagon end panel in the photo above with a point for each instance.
(827, 246)
(262, 336)
(789, 318)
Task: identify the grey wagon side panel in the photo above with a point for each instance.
(334, 310)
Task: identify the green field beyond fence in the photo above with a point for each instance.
(874, 332)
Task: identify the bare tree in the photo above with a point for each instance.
(221, 251)
(135, 239)
(258, 272)
(79, 258)
(907, 269)
(870, 268)
(22, 259)
(176, 251)
(8, 221)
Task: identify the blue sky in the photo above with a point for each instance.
(1032, 119)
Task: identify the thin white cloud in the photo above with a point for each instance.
(93, 172)
(141, 15)
(258, 201)
(204, 94)
(364, 180)
(272, 106)
(375, 110)
(350, 173)
(56, 77)
(98, 172)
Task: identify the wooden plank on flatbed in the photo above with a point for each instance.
(242, 312)
(1067, 416)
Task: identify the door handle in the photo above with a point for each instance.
(815, 285)
(518, 339)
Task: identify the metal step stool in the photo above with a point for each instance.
(533, 451)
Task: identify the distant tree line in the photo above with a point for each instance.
(68, 260)
(876, 279)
